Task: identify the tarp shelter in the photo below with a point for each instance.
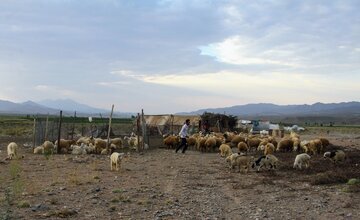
(166, 124)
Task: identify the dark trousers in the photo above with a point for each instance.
(183, 144)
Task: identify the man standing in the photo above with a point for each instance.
(183, 134)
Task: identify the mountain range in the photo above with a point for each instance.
(268, 109)
(52, 107)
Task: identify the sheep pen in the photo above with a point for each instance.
(159, 184)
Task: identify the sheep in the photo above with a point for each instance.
(85, 140)
(64, 145)
(117, 142)
(243, 162)
(39, 150)
(335, 156)
(325, 142)
(265, 161)
(191, 141)
(12, 149)
(49, 147)
(253, 142)
(100, 145)
(210, 144)
(78, 150)
(236, 140)
(285, 145)
(302, 160)
(231, 159)
(200, 144)
(225, 150)
(171, 141)
(313, 147)
(242, 147)
(269, 149)
(115, 160)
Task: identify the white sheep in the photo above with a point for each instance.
(225, 150)
(39, 150)
(115, 160)
(12, 150)
(335, 156)
(302, 160)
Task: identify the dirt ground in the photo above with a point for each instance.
(160, 184)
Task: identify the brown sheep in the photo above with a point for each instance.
(269, 149)
(236, 140)
(285, 145)
(210, 144)
(64, 145)
(253, 143)
(172, 141)
(200, 144)
(191, 141)
(325, 142)
(313, 147)
(100, 144)
(242, 147)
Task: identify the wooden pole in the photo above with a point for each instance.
(109, 129)
(59, 133)
(34, 133)
(138, 131)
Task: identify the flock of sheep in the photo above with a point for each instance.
(213, 142)
(267, 145)
(84, 145)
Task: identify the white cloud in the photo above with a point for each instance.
(243, 51)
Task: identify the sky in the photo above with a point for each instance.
(178, 56)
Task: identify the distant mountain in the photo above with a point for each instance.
(71, 106)
(29, 107)
(53, 107)
(267, 109)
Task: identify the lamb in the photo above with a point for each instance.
(12, 150)
(265, 161)
(335, 156)
(115, 160)
(225, 150)
(302, 160)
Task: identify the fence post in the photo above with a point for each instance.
(59, 133)
(73, 127)
(138, 131)
(109, 129)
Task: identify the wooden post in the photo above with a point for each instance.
(138, 130)
(109, 129)
(34, 133)
(59, 133)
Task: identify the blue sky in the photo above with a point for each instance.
(183, 55)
